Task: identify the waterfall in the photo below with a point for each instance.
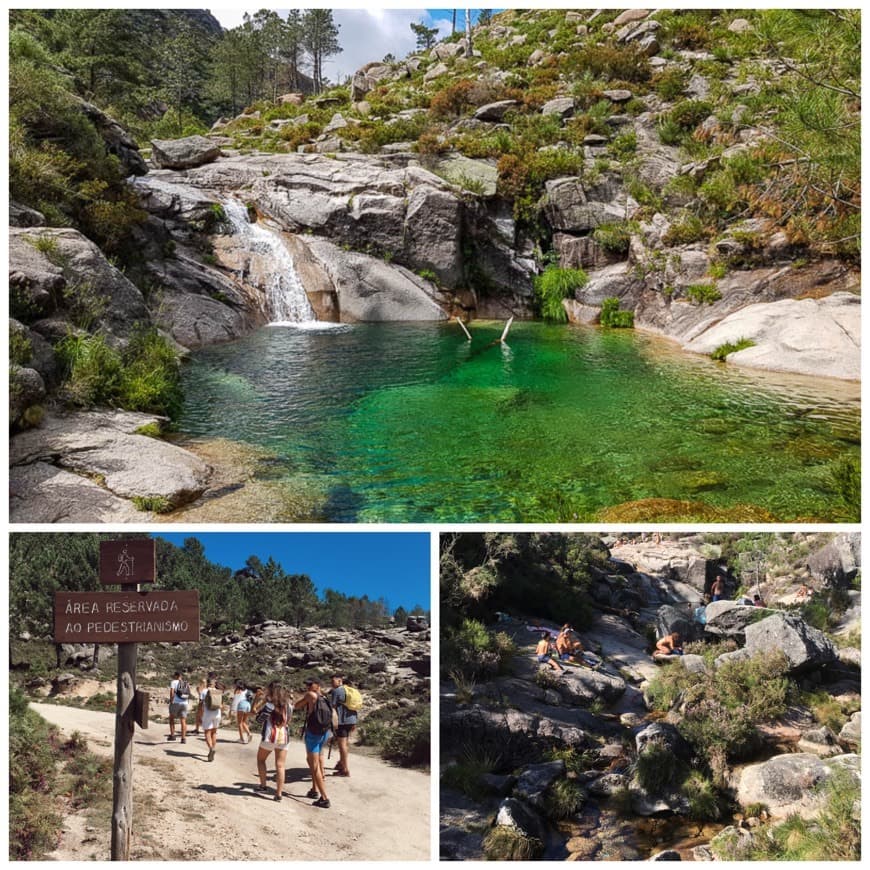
(286, 301)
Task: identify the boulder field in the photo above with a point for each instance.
(597, 735)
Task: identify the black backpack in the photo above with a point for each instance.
(320, 718)
(182, 690)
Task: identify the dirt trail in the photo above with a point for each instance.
(211, 811)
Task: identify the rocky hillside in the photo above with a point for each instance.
(701, 757)
(390, 666)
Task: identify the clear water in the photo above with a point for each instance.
(412, 423)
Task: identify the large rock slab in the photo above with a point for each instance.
(183, 153)
(43, 493)
(69, 269)
(369, 290)
(582, 686)
(837, 563)
(104, 446)
(804, 647)
(820, 337)
(786, 782)
(729, 618)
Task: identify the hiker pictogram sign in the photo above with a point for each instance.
(126, 563)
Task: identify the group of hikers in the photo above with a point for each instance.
(328, 716)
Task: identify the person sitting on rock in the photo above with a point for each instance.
(669, 645)
(717, 590)
(757, 600)
(542, 651)
(567, 645)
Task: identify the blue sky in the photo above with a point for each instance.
(367, 34)
(393, 565)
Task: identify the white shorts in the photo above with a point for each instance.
(264, 744)
(210, 719)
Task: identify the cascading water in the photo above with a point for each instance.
(286, 301)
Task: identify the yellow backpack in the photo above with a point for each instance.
(352, 698)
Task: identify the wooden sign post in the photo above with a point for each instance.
(126, 618)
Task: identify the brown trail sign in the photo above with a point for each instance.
(126, 618)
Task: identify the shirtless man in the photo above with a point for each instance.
(315, 740)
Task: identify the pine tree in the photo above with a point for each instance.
(320, 39)
(426, 36)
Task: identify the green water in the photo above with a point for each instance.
(412, 423)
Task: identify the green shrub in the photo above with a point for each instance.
(623, 146)
(846, 480)
(408, 741)
(656, 769)
(614, 237)
(472, 650)
(555, 284)
(20, 349)
(610, 62)
(611, 315)
(722, 352)
(687, 228)
(702, 293)
(466, 774)
(670, 83)
(564, 799)
(721, 710)
(509, 844)
(91, 370)
(702, 796)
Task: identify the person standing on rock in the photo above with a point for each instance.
(717, 590)
(211, 700)
(179, 705)
(274, 715)
(318, 723)
(347, 720)
(542, 651)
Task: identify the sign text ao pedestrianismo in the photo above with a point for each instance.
(126, 618)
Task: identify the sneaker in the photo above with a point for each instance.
(277, 797)
(171, 737)
(183, 739)
(323, 803)
(313, 793)
(211, 755)
(259, 787)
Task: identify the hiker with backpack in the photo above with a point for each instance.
(241, 706)
(318, 726)
(211, 700)
(179, 705)
(274, 716)
(200, 688)
(346, 700)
